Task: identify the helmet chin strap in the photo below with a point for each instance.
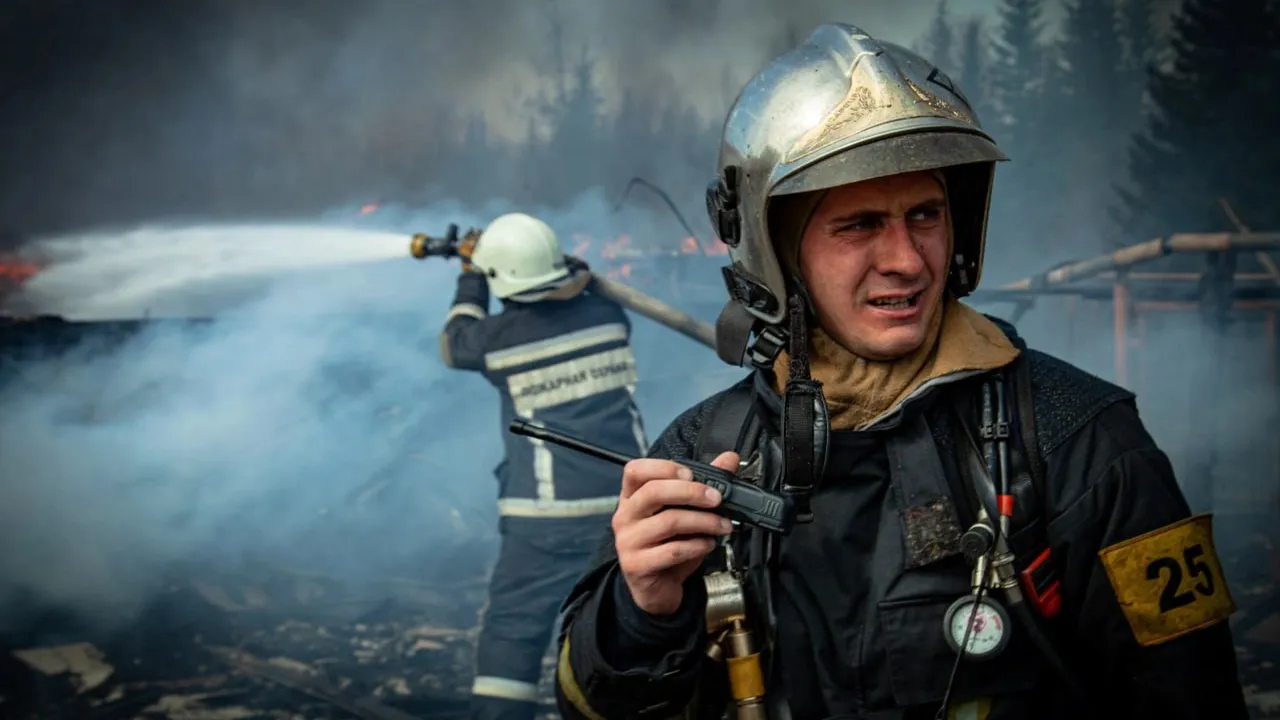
(805, 419)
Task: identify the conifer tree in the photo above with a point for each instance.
(1094, 59)
(1093, 120)
(1016, 81)
(939, 43)
(1016, 70)
(575, 135)
(972, 63)
(1211, 132)
(1138, 29)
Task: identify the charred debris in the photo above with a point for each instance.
(249, 639)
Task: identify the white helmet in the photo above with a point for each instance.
(518, 253)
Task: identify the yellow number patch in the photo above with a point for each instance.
(978, 709)
(1169, 581)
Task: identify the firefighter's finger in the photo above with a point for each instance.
(644, 562)
(642, 470)
(669, 525)
(653, 496)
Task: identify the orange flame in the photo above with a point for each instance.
(621, 272)
(612, 249)
(621, 248)
(17, 271)
(716, 248)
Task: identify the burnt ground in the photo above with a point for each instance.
(292, 646)
(1255, 570)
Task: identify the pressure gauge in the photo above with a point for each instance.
(988, 627)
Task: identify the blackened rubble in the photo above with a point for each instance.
(308, 647)
(301, 647)
(1254, 567)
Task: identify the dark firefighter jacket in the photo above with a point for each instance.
(564, 363)
(858, 622)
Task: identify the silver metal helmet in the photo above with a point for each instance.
(841, 108)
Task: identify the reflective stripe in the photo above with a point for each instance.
(558, 345)
(572, 380)
(466, 310)
(531, 508)
(637, 424)
(505, 688)
(544, 471)
(569, 684)
(470, 310)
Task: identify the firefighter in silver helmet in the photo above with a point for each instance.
(561, 355)
(985, 531)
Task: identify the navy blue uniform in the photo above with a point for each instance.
(850, 608)
(566, 363)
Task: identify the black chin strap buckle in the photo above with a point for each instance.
(768, 344)
(723, 206)
(804, 433)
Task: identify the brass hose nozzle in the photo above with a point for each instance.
(418, 245)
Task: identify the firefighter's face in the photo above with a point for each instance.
(874, 258)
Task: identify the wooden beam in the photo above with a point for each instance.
(1149, 250)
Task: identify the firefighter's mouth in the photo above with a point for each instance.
(904, 302)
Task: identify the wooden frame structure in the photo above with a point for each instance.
(1216, 291)
(1222, 289)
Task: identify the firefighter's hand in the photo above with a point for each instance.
(467, 246)
(662, 531)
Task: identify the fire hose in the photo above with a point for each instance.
(423, 246)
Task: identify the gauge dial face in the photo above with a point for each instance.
(989, 627)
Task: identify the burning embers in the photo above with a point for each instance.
(16, 270)
(14, 273)
(616, 258)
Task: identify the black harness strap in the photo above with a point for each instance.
(1030, 543)
(804, 419)
(1027, 421)
(729, 424)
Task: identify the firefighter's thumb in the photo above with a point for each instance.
(727, 461)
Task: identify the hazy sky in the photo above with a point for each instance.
(136, 108)
(621, 38)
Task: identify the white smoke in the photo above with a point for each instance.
(265, 433)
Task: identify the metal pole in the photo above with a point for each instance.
(1215, 307)
(1272, 368)
(1139, 354)
(1120, 316)
(1071, 322)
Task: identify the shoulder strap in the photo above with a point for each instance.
(1029, 440)
(1040, 580)
(727, 425)
(1029, 540)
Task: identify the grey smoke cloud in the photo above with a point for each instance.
(312, 426)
